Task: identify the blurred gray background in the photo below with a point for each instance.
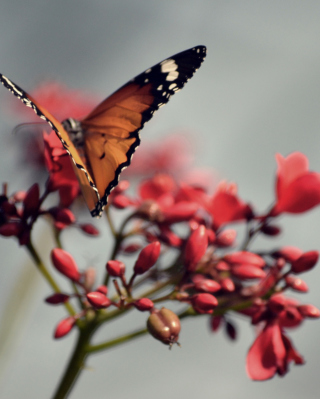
(257, 93)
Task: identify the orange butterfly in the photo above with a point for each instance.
(102, 144)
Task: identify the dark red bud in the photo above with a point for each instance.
(10, 229)
(215, 322)
(277, 303)
(31, 201)
(64, 327)
(164, 325)
(57, 298)
(143, 304)
(270, 230)
(115, 268)
(309, 311)
(305, 262)
(98, 300)
(147, 257)
(204, 303)
(196, 247)
(63, 215)
(89, 229)
(231, 330)
(65, 264)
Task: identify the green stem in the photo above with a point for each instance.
(117, 341)
(76, 363)
(43, 270)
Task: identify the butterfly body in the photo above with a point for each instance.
(102, 144)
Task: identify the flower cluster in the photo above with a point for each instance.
(208, 272)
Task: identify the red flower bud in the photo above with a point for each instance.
(305, 262)
(10, 229)
(204, 303)
(296, 284)
(63, 215)
(98, 300)
(31, 201)
(64, 327)
(245, 257)
(65, 264)
(147, 257)
(121, 201)
(207, 285)
(227, 285)
(289, 253)
(164, 325)
(226, 238)
(143, 304)
(131, 248)
(247, 272)
(115, 268)
(103, 289)
(57, 298)
(277, 303)
(309, 311)
(89, 229)
(196, 247)
(270, 230)
(231, 331)
(215, 322)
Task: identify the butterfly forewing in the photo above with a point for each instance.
(111, 130)
(124, 113)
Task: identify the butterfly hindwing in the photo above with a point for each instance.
(113, 126)
(111, 130)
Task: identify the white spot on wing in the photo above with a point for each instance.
(170, 67)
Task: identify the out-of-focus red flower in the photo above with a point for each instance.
(62, 177)
(225, 206)
(271, 353)
(297, 189)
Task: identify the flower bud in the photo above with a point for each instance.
(207, 285)
(226, 238)
(247, 272)
(57, 298)
(121, 201)
(103, 289)
(204, 303)
(296, 284)
(180, 212)
(270, 230)
(89, 278)
(305, 262)
(65, 264)
(245, 258)
(215, 322)
(31, 201)
(115, 268)
(277, 303)
(227, 285)
(309, 311)
(64, 327)
(147, 257)
(231, 330)
(143, 304)
(98, 300)
(63, 215)
(89, 229)
(10, 229)
(131, 248)
(196, 247)
(164, 325)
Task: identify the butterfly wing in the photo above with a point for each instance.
(87, 185)
(112, 128)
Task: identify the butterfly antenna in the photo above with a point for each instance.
(22, 125)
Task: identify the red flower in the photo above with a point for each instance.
(226, 207)
(298, 189)
(271, 353)
(62, 177)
